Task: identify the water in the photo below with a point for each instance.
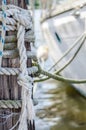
(60, 106)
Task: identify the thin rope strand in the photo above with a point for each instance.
(68, 51)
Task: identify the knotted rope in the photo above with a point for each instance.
(26, 82)
(20, 20)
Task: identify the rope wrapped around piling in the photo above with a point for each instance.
(17, 71)
(20, 20)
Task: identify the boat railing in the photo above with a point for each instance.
(50, 9)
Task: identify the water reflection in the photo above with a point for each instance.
(62, 107)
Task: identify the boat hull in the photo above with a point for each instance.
(60, 33)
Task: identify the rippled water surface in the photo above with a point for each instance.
(60, 107)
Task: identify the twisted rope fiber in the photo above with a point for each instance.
(14, 53)
(10, 104)
(22, 19)
(2, 37)
(16, 16)
(61, 78)
(16, 71)
(68, 62)
(26, 82)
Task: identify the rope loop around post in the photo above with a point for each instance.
(21, 20)
(24, 80)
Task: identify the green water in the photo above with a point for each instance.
(60, 106)
(64, 108)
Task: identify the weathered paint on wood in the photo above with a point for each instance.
(9, 89)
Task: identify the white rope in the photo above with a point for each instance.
(16, 71)
(21, 19)
(14, 53)
(25, 81)
(2, 38)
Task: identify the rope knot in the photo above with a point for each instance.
(24, 19)
(20, 20)
(25, 81)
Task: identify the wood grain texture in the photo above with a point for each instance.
(9, 89)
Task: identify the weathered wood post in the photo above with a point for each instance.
(9, 89)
